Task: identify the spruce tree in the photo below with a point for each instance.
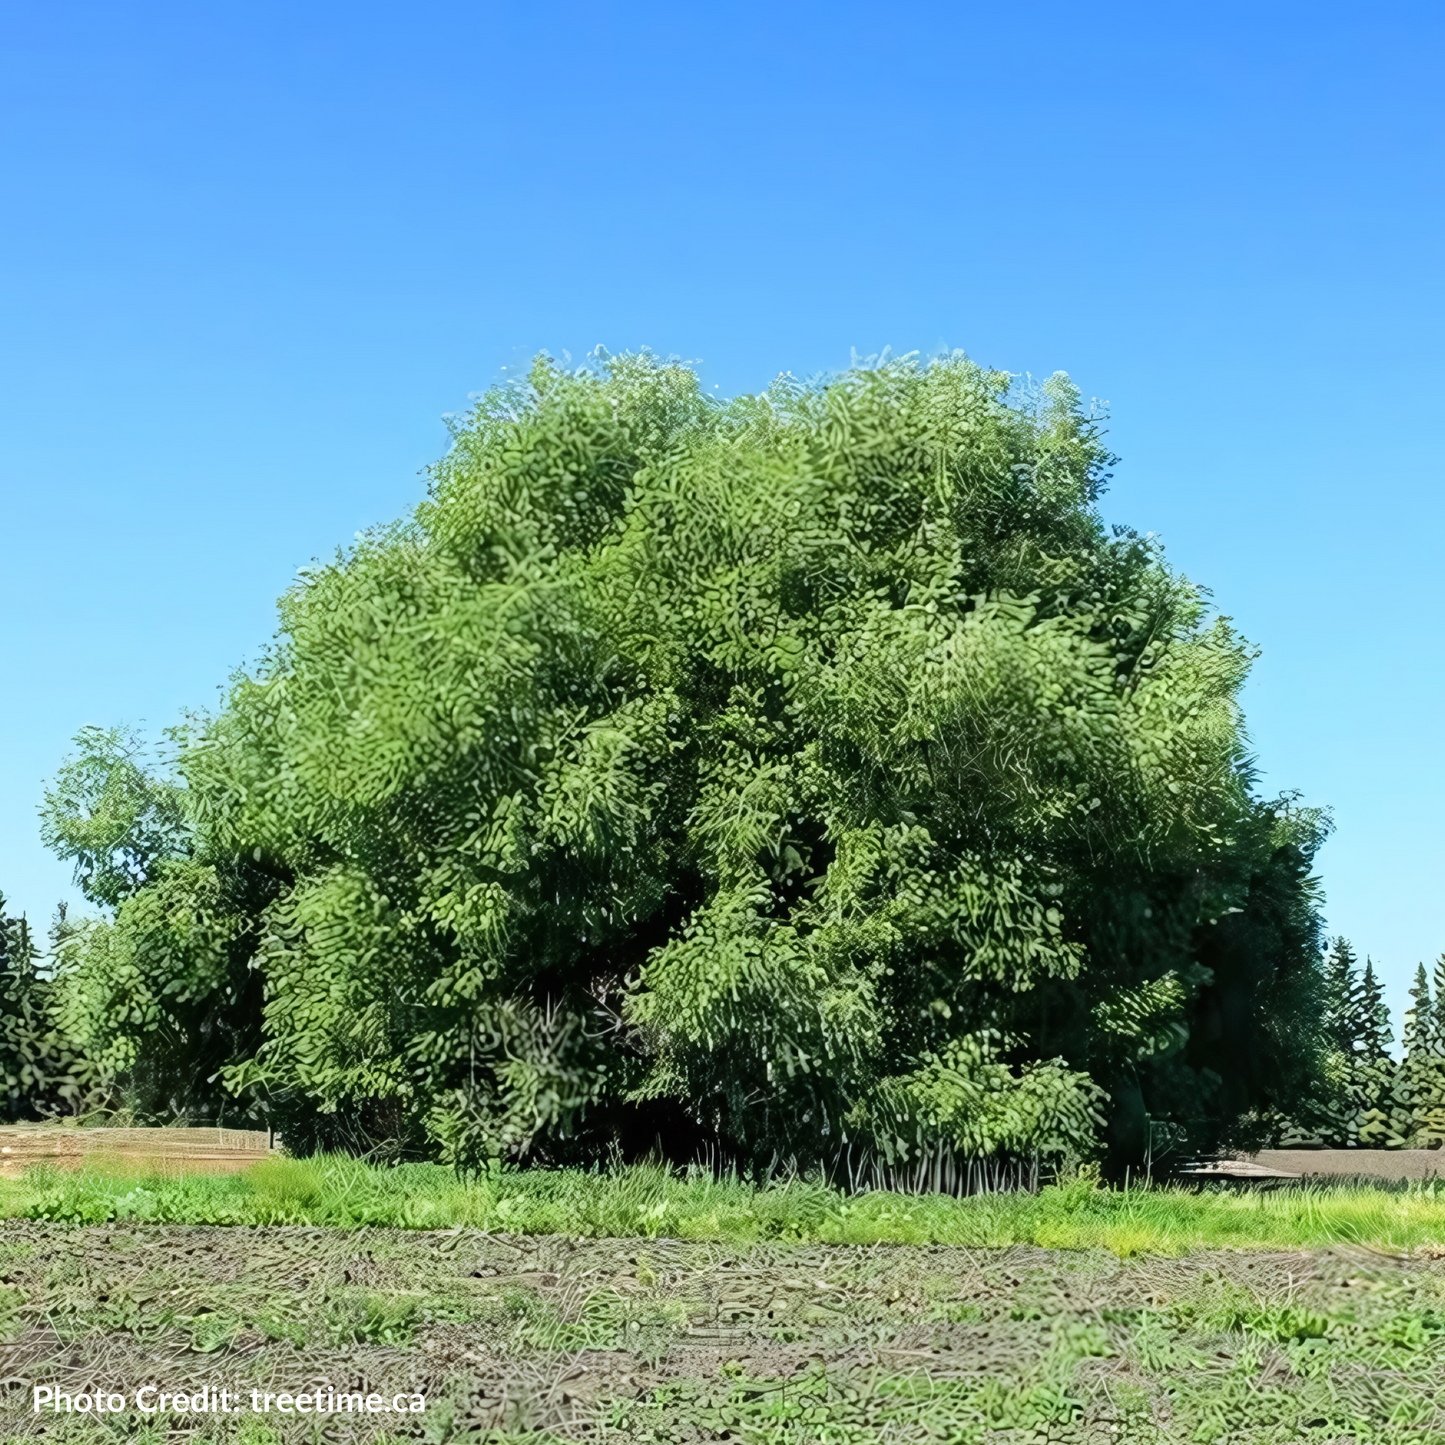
(1341, 970)
(1374, 1066)
(1437, 1014)
(1414, 1117)
(1341, 987)
(42, 1073)
(1429, 1104)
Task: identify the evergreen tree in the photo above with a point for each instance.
(1341, 988)
(1429, 1107)
(1437, 1014)
(1341, 971)
(1370, 1098)
(42, 1073)
(1374, 1066)
(1377, 1035)
(1419, 1117)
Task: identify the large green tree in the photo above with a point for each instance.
(813, 775)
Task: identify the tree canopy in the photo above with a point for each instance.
(808, 773)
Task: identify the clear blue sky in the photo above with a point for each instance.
(251, 253)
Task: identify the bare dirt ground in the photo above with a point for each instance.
(670, 1341)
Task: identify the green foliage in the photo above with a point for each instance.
(42, 1071)
(805, 774)
(981, 1108)
(164, 996)
(111, 817)
(650, 1202)
(159, 993)
(1367, 1097)
(1418, 1115)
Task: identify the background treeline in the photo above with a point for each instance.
(810, 776)
(1373, 1099)
(44, 1072)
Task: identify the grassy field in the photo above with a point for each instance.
(646, 1202)
(635, 1306)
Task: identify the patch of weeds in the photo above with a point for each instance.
(213, 1330)
(282, 1327)
(372, 1319)
(843, 1408)
(651, 1325)
(957, 1312)
(1281, 1323)
(1157, 1350)
(12, 1301)
(254, 1432)
(139, 1203)
(1410, 1331)
(1081, 1340)
(522, 1304)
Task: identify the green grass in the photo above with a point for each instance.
(646, 1201)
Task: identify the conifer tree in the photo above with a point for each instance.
(1374, 1066)
(42, 1073)
(1419, 1117)
(1341, 988)
(1412, 1084)
(1430, 1109)
(1437, 1013)
(1341, 971)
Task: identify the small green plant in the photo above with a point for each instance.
(373, 1319)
